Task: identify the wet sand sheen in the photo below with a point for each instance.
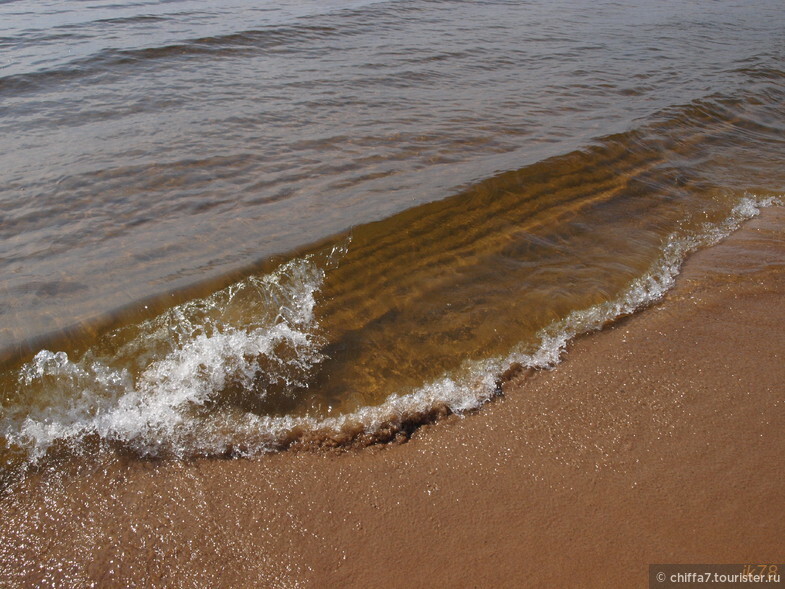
(654, 441)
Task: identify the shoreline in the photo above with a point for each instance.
(657, 439)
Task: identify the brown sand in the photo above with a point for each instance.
(658, 440)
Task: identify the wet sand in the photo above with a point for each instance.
(659, 439)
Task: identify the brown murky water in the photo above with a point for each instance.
(222, 229)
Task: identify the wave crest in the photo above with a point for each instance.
(219, 358)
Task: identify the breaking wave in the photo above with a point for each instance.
(199, 379)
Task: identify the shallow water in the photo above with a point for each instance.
(224, 228)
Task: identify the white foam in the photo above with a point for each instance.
(152, 412)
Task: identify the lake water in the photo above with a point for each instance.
(225, 228)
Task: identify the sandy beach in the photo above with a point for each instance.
(658, 440)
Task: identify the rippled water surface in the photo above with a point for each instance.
(222, 226)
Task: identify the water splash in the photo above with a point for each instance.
(255, 336)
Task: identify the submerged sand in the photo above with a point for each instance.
(657, 440)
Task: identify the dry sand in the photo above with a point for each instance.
(660, 439)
